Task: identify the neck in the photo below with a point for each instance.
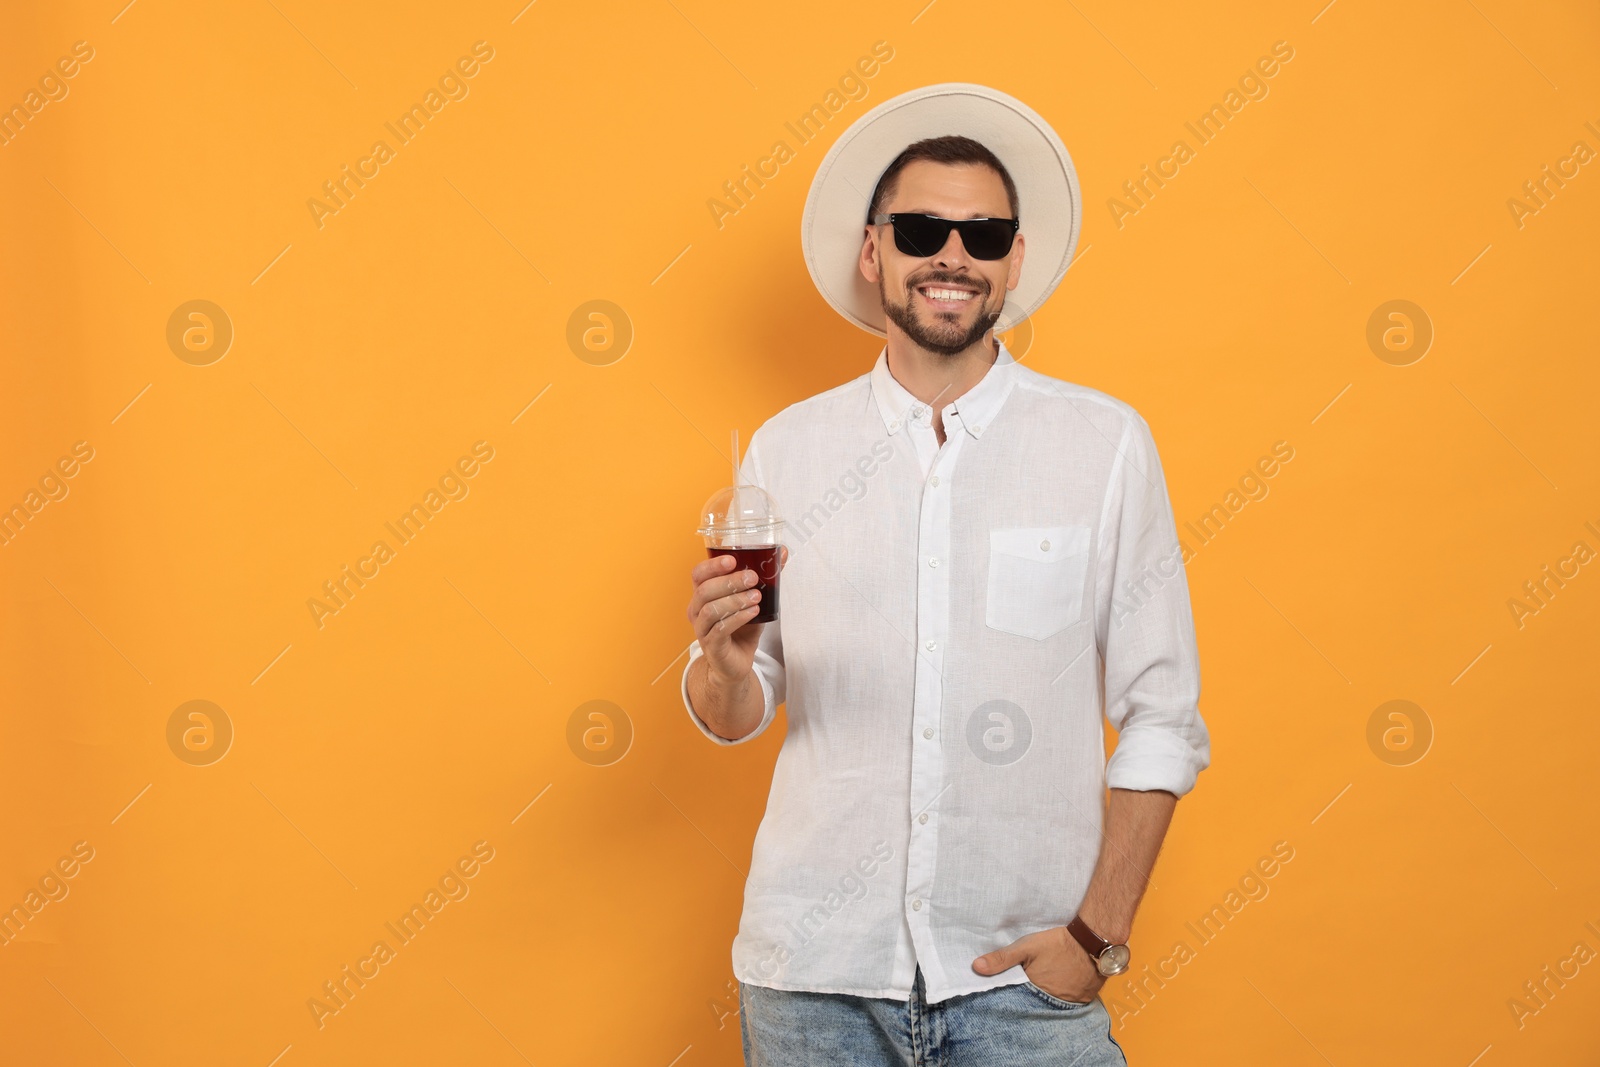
(934, 377)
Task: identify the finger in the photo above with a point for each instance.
(712, 566)
(1000, 959)
(719, 618)
(719, 638)
(710, 570)
(783, 556)
(725, 584)
(724, 606)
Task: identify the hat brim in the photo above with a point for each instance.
(1049, 204)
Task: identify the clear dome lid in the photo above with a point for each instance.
(739, 509)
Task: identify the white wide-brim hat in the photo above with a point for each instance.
(1049, 205)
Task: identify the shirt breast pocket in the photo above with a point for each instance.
(1036, 579)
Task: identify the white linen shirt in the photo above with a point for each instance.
(953, 623)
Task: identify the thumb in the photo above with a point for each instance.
(1000, 959)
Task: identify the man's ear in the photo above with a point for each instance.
(868, 263)
(1016, 263)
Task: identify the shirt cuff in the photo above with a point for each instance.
(1152, 758)
(767, 699)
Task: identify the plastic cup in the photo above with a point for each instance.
(741, 521)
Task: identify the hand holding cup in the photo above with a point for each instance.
(724, 602)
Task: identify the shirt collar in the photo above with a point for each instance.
(975, 409)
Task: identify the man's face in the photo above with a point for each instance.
(948, 301)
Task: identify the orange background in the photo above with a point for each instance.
(431, 711)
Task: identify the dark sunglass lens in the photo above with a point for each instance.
(919, 235)
(987, 239)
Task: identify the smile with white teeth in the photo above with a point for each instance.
(946, 296)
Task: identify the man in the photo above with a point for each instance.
(986, 564)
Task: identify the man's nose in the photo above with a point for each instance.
(954, 253)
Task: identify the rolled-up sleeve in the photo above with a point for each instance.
(1145, 629)
(768, 660)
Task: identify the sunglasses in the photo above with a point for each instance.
(923, 235)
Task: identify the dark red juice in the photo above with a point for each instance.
(763, 559)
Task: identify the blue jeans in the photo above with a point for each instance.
(1016, 1025)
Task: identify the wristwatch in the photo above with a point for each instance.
(1108, 959)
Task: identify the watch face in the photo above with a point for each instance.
(1113, 960)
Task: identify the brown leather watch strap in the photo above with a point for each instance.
(1092, 942)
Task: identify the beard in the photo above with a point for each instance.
(939, 335)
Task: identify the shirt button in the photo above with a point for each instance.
(935, 479)
(927, 731)
(933, 562)
(931, 645)
(923, 817)
(894, 424)
(916, 905)
(977, 429)
(1045, 545)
